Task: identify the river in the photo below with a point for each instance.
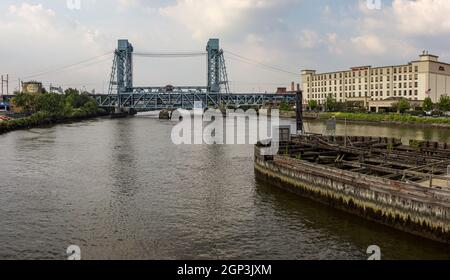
(119, 189)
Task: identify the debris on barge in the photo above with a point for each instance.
(406, 187)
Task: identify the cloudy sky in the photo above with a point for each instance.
(40, 38)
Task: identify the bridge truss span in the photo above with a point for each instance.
(216, 94)
(151, 99)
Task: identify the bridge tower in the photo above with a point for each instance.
(124, 68)
(217, 72)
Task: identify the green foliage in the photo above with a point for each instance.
(444, 103)
(313, 105)
(402, 106)
(26, 101)
(51, 103)
(391, 117)
(428, 105)
(49, 108)
(75, 99)
(331, 104)
(284, 106)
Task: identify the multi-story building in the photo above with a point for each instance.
(373, 86)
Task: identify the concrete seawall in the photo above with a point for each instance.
(405, 206)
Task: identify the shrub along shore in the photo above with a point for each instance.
(392, 118)
(49, 109)
(43, 119)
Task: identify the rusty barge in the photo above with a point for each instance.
(406, 187)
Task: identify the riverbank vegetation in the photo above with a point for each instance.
(387, 118)
(51, 108)
(401, 112)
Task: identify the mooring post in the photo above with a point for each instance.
(299, 110)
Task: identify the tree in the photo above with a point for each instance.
(428, 105)
(26, 101)
(51, 103)
(312, 104)
(284, 106)
(444, 103)
(331, 104)
(401, 106)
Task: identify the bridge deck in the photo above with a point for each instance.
(148, 99)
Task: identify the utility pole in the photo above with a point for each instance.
(5, 83)
(299, 110)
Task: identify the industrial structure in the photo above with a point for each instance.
(123, 96)
(32, 87)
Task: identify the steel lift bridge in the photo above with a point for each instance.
(123, 96)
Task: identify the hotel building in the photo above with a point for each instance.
(379, 87)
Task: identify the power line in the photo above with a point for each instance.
(243, 59)
(67, 66)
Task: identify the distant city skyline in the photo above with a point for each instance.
(40, 38)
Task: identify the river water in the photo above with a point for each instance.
(119, 189)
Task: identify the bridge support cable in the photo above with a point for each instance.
(170, 55)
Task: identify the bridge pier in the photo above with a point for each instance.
(123, 113)
(165, 115)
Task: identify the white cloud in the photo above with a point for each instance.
(308, 39)
(40, 40)
(205, 18)
(127, 4)
(409, 18)
(33, 18)
(422, 17)
(369, 44)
